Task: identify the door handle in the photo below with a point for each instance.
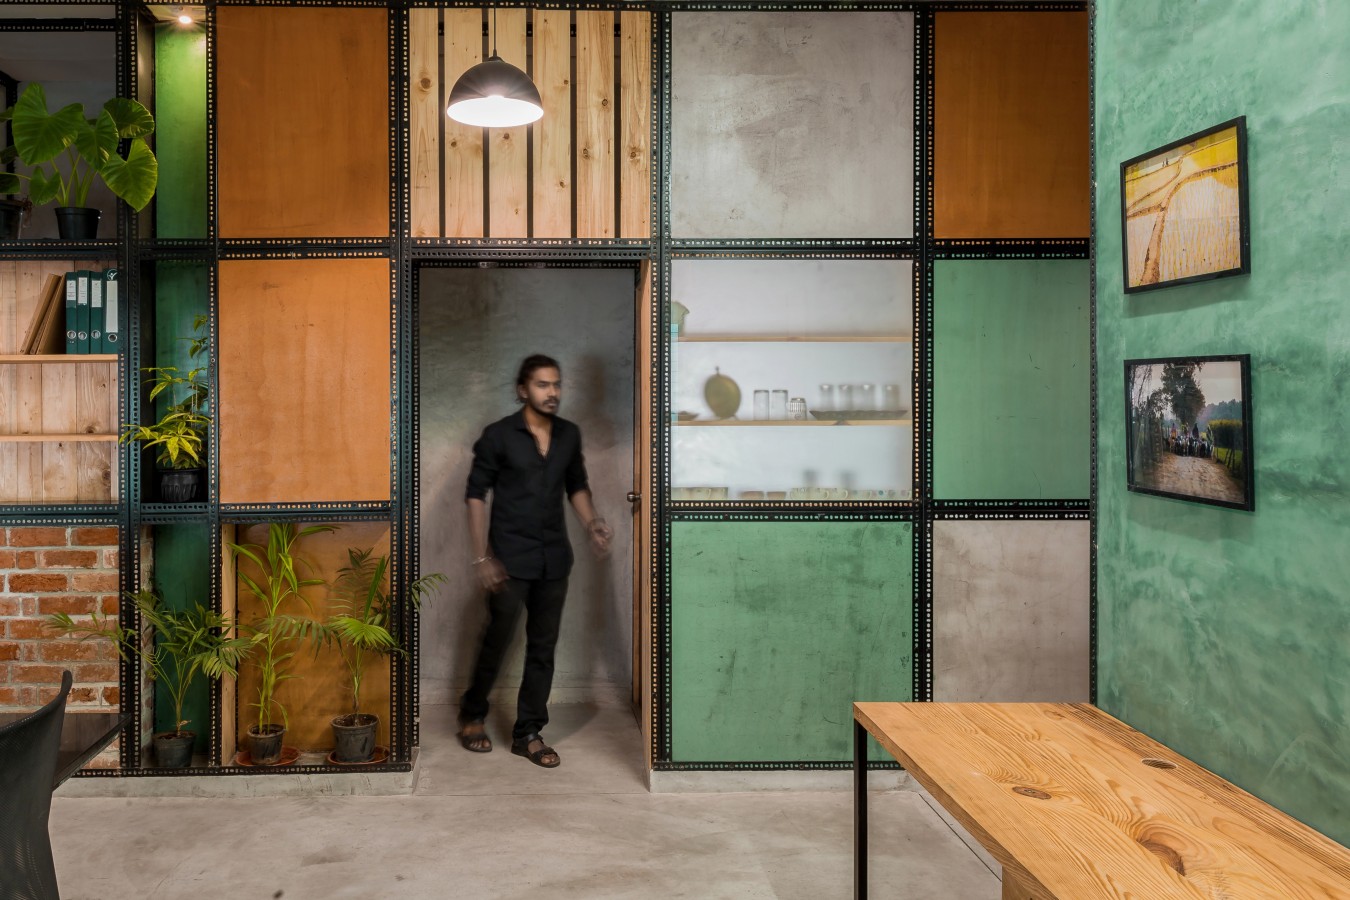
(634, 497)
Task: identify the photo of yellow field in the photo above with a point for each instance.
(1182, 211)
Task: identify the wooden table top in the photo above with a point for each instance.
(1080, 805)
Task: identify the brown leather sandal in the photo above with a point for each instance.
(474, 741)
(521, 747)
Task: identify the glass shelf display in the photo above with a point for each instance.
(791, 380)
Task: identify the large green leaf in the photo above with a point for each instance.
(132, 119)
(10, 183)
(97, 141)
(134, 178)
(38, 136)
(42, 189)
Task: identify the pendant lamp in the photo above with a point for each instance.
(494, 93)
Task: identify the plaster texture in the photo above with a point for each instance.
(792, 125)
(1012, 395)
(492, 825)
(1224, 633)
(1011, 607)
(476, 327)
(777, 628)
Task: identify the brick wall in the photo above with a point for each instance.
(48, 569)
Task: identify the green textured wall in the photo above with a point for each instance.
(1227, 634)
(183, 578)
(777, 627)
(180, 132)
(1011, 385)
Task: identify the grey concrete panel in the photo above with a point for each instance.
(1011, 611)
(792, 124)
(476, 327)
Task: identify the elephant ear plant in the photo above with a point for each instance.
(274, 631)
(179, 646)
(66, 151)
(360, 626)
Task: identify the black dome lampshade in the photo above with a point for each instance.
(495, 94)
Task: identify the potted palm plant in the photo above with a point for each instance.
(179, 646)
(274, 631)
(359, 624)
(179, 434)
(66, 151)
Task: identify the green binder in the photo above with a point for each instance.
(82, 311)
(96, 312)
(72, 317)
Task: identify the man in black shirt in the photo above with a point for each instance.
(527, 461)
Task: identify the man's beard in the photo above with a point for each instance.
(543, 409)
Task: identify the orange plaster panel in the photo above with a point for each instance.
(304, 372)
(302, 106)
(1011, 125)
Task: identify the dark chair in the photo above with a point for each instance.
(27, 768)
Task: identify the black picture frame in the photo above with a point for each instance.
(1207, 460)
(1211, 246)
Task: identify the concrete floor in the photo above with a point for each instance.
(493, 826)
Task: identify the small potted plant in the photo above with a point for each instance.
(274, 632)
(66, 151)
(359, 625)
(180, 433)
(179, 646)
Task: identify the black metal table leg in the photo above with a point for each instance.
(859, 811)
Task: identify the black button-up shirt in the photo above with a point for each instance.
(528, 533)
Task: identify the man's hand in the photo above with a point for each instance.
(601, 534)
(491, 573)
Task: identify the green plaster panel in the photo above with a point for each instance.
(183, 578)
(777, 628)
(180, 132)
(1227, 634)
(1012, 388)
(182, 291)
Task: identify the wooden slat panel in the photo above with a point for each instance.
(1011, 130)
(553, 133)
(94, 384)
(426, 115)
(9, 463)
(11, 326)
(304, 380)
(231, 710)
(322, 686)
(28, 420)
(635, 120)
(508, 149)
(595, 124)
(302, 106)
(463, 145)
(59, 416)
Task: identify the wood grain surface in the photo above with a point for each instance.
(426, 118)
(304, 369)
(635, 123)
(509, 148)
(1062, 795)
(595, 124)
(302, 110)
(464, 181)
(553, 133)
(1011, 125)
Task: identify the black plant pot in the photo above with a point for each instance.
(11, 219)
(77, 223)
(354, 737)
(264, 748)
(179, 485)
(173, 749)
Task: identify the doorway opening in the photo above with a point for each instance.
(475, 324)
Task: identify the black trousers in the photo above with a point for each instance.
(542, 601)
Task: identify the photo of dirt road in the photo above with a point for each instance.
(1187, 429)
(1182, 210)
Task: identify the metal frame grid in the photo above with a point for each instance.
(924, 249)
(408, 256)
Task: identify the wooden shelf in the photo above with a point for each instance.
(49, 358)
(789, 423)
(56, 438)
(796, 338)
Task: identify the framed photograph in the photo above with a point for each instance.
(1183, 210)
(1188, 428)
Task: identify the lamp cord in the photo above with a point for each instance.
(494, 31)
